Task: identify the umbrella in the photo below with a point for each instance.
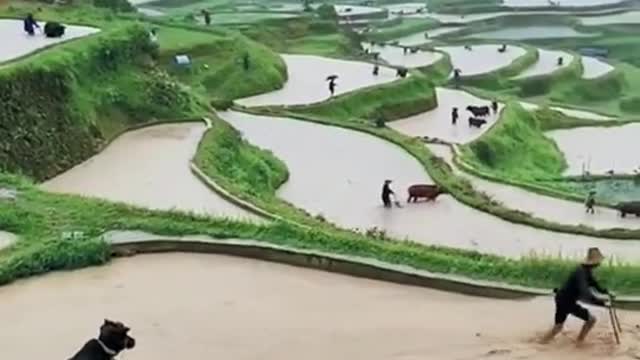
(331, 77)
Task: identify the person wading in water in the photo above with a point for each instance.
(590, 202)
(386, 194)
(577, 288)
(454, 115)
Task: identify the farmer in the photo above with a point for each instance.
(404, 50)
(560, 61)
(207, 17)
(386, 194)
(577, 288)
(30, 24)
(494, 106)
(590, 202)
(376, 69)
(454, 115)
(245, 61)
(332, 86)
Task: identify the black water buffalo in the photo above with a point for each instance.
(630, 207)
(477, 122)
(478, 110)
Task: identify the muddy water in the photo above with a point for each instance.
(563, 3)
(339, 173)
(396, 56)
(148, 168)
(406, 7)
(530, 32)
(569, 112)
(631, 17)
(482, 59)
(17, 43)
(547, 63)
(351, 10)
(437, 123)
(6, 239)
(274, 311)
(594, 68)
(543, 207)
(307, 80)
(599, 150)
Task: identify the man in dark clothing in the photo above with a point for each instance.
(454, 115)
(577, 287)
(207, 17)
(332, 86)
(386, 194)
(30, 24)
(494, 106)
(590, 202)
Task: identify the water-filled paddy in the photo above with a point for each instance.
(593, 68)
(338, 173)
(307, 83)
(148, 168)
(631, 17)
(397, 56)
(426, 36)
(17, 43)
(600, 149)
(531, 32)
(562, 3)
(482, 58)
(548, 62)
(208, 306)
(356, 10)
(437, 122)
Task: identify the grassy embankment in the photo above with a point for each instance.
(306, 36)
(82, 93)
(217, 72)
(404, 27)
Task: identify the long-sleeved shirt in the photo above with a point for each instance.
(577, 287)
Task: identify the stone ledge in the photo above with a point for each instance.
(133, 242)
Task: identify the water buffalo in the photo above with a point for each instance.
(54, 29)
(477, 122)
(429, 192)
(631, 207)
(478, 110)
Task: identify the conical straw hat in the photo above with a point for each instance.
(594, 256)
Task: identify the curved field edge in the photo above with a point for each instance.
(518, 127)
(460, 188)
(41, 219)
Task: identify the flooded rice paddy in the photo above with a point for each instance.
(531, 32)
(397, 56)
(148, 168)
(600, 149)
(210, 316)
(338, 173)
(548, 62)
(482, 58)
(307, 82)
(18, 44)
(437, 123)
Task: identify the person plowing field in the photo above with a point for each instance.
(577, 287)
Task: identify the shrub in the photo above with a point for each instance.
(483, 152)
(630, 104)
(327, 12)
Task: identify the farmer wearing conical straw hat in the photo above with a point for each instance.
(577, 287)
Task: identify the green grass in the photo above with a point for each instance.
(516, 147)
(224, 155)
(329, 45)
(217, 72)
(391, 101)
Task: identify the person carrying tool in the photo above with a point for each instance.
(577, 288)
(590, 202)
(386, 194)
